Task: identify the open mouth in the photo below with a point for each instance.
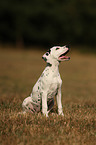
(63, 56)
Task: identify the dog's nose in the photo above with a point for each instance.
(67, 46)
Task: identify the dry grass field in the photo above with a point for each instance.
(19, 70)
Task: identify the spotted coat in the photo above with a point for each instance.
(48, 85)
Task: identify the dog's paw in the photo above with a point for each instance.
(61, 114)
(45, 114)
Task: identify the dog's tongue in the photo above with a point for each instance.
(64, 57)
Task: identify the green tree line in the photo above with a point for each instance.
(48, 22)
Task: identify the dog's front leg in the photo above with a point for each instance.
(44, 104)
(60, 110)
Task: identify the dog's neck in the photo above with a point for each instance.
(54, 63)
(54, 66)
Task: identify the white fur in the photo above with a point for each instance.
(48, 85)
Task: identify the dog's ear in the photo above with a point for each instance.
(49, 51)
(46, 56)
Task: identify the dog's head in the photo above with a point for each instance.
(56, 53)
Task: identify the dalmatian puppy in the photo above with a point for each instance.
(48, 85)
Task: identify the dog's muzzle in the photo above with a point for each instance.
(63, 56)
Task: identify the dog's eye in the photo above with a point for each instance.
(57, 48)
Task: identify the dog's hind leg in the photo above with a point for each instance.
(27, 105)
(50, 105)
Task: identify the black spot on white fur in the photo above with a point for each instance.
(49, 51)
(57, 48)
(45, 59)
(49, 64)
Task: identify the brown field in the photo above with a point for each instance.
(19, 70)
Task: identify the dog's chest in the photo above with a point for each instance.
(52, 81)
(49, 83)
(52, 91)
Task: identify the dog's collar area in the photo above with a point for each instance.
(49, 64)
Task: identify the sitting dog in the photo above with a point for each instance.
(48, 85)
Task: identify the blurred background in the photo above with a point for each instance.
(27, 29)
(48, 23)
